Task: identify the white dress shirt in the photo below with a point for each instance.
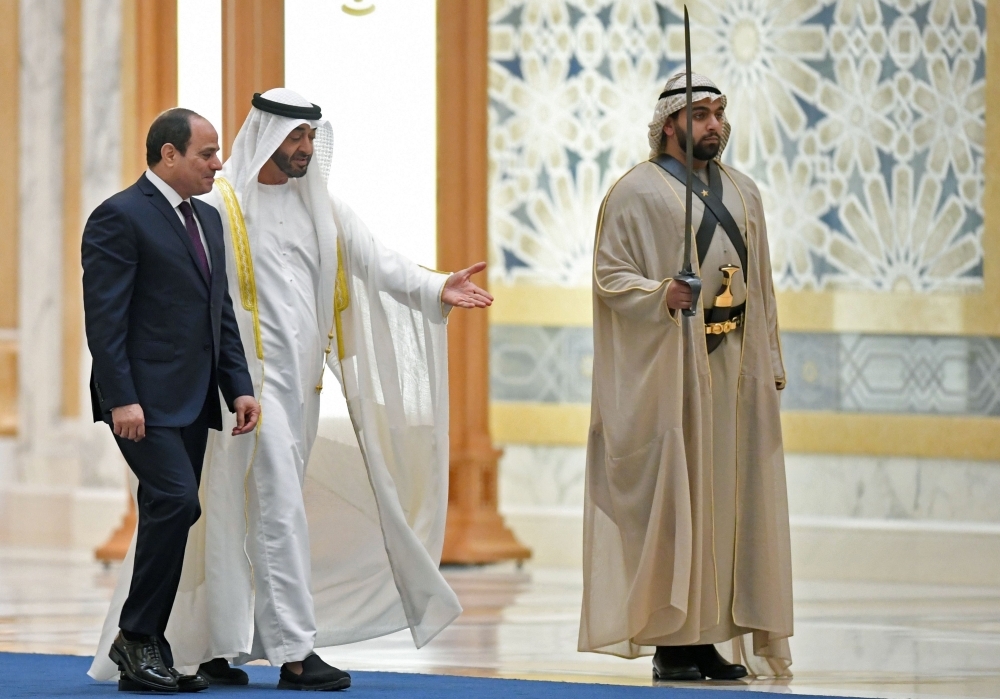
(175, 201)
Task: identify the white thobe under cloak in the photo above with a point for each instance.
(287, 271)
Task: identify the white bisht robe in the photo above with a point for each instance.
(375, 495)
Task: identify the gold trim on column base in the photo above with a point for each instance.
(480, 536)
(475, 531)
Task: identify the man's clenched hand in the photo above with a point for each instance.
(247, 414)
(129, 422)
(678, 295)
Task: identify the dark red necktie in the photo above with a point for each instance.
(192, 231)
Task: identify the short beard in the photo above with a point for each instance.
(284, 164)
(702, 152)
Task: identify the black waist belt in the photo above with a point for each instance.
(719, 322)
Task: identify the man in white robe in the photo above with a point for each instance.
(287, 558)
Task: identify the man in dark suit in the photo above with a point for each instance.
(165, 342)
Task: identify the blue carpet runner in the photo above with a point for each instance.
(28, 675)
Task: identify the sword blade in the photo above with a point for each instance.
(689, 155)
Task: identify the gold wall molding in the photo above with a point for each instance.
(525, 304)
(72, 275)
(8, 387)
(10, 127)
(924, 436)
(549, 424)
(807, 432)
(253, 58)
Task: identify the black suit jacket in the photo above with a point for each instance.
(161, 335)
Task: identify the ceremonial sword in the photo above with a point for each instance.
(687, 274)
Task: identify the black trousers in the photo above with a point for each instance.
(168, 465)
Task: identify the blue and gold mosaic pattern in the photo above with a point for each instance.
(861, 120)
(850, 373)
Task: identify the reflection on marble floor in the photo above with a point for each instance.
(851, 638)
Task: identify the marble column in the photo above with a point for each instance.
(44, 457)
(64, 467)
(101, 463)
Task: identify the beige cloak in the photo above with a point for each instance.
(657, 471)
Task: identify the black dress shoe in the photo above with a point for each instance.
(141, 663)
(316, 676)
(185, 683)
(189, 683)
(714, 666)
(218, 671)
(675, 664)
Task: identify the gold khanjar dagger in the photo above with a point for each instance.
(724, 299)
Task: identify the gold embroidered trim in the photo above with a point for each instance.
(244, 260)
(341, 300)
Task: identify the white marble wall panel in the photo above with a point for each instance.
(818, 485)
(41, 195)
(893, 488)
(8, 459)
(102, 102)
(100, 461)
(545, 477)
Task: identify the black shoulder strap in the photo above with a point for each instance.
(709, 223)
(715, 209)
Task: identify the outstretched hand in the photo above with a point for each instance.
(460, 291)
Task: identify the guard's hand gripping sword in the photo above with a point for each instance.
(687, 274)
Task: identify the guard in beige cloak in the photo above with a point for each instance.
(686, 540)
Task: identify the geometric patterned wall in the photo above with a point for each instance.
(862, 121)
(826, 371)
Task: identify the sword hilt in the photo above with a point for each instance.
(694, 282)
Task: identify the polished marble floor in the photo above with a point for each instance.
(851, 639)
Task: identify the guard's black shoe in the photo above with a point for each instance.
(218, 671)
(142, 664)
(675, 664)
(714, 666)
(316, 676)
(185, 683)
